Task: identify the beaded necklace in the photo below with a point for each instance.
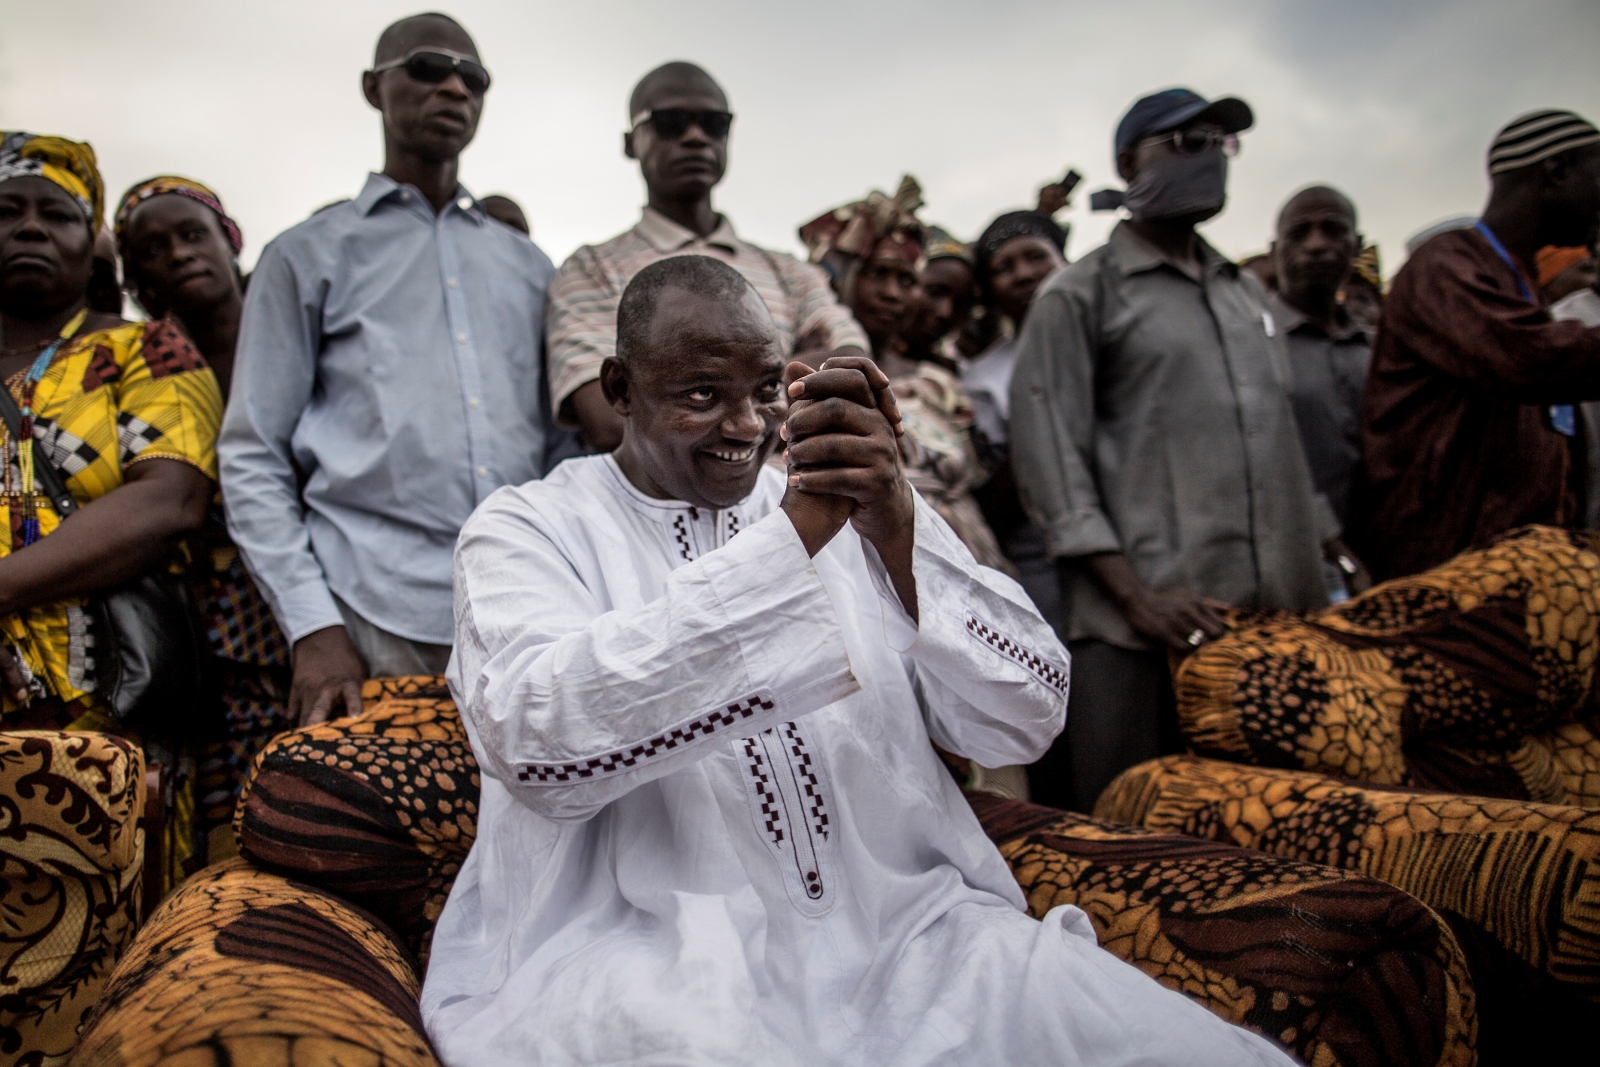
(25, 459)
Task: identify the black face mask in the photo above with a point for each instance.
(1179, 185)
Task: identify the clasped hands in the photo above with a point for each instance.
(840, 442)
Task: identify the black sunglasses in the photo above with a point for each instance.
(1196, 139)
(673, 122)
(431, 68)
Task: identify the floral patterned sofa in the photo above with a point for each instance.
(308, 949)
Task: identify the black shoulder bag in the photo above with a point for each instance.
(151, 665)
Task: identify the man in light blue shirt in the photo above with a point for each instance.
(388, 379)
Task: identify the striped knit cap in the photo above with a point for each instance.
(1537, 136)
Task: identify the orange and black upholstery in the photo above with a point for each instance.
(71, 876)
(1518, 882)
(1477, 677)
(240, 968)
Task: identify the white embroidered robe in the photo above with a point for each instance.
(713, 830)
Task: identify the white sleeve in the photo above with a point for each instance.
(571, 708)
(993, 675)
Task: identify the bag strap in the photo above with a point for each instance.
(44, 467)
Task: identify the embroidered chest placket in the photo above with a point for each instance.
(785, 782)
(793, 811)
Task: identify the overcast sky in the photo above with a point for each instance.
(1393, 101)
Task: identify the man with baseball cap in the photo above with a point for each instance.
(1469, 423)
(1150, 409)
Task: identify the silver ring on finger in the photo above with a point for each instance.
(1196, 639)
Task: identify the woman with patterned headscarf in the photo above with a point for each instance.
(180, 257)
(128, 412)
(873, 250)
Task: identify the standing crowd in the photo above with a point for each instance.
(1148, 440)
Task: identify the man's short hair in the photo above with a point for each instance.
(701, 275)
(1324, 192)
(678, 71)
(398, 38)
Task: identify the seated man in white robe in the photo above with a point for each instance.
(713, 829)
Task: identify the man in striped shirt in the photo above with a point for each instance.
(679, 124)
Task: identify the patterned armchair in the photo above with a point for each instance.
(71, 876)
(308, 948)
(1438, 732)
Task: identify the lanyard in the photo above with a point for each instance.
(1500, 250)
(1563, 417)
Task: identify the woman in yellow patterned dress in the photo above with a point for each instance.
(128, 412)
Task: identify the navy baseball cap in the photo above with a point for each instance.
(1171, 108)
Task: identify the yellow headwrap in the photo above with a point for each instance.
(70, 164)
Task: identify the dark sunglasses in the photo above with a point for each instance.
(1197, 139)
(673, 122)
(431, 68)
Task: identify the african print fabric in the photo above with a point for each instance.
(71, 866)
(940, 460)
(168, 184)
(69, 164)
(1339, 968)
(253, 675)
(109, 399)
(1476, 677)
(381, 809)
(1527, 874)
(240, 967)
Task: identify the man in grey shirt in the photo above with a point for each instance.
(388, 380)
(1155, 446)
(1313, 255)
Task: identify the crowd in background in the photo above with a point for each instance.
(1150, 438)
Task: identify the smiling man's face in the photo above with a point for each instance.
(703, 402)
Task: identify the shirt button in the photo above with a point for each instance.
(461, 337)
(472, 402)
(405, 195)
(451, 283)
(483, 472)
(464, 203)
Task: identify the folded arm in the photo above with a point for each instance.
(573, 707)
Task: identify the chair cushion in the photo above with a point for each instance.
(1341, 969)
(1528, 874)
(1477, 677)
(71, 865)
(243, 967)
(381, 808)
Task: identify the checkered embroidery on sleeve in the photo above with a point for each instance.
(696, 729)
(1048, 673)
